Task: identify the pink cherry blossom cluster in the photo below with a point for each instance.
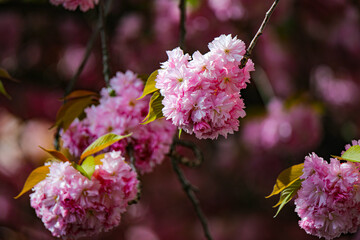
(72, 206)
(202, 93)
(84, 5)
(328, 201)
(122, 114)
(296, 129)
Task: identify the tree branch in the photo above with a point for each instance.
(104, 47)
(175, 158)
(190, 191)
(89, 47)
(199, 157)
(258, 34)
(130, 152)
(182, 7)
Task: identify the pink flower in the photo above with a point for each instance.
(84, 5)
(72, 206)
(328, 200)
(122, 114)
(353, 143)
(202, 95)
(228, 48)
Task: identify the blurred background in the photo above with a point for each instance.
(303, 98)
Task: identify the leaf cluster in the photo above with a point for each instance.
(73, 107)
(287, 184)
(86, 164)
(155, 105)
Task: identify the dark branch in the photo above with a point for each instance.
(258, 34)
(199, 157)
(73, 80)
(89, 47)
(176, 158)
(104, 47)
(189, 190)
(130, 152)
(182, 6)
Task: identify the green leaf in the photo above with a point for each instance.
(287, 194)
(194, 3)
(150, 85)
(36, 176)
(287, 178)
(155, 108)
(56, 154)
(102, 143)
(81, 170)
(180, 131)
(89, 166)
(351, 155)
(3, 91)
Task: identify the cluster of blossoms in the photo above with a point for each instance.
(73, 4)
(122, 114)
(202, 93)
(72, 206)
(296, 129)
(328, 201)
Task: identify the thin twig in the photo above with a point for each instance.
(70, 86)
(182, 7)
(199, 157)
(190, 192)
(258, 34)
(130, 151)
(104, 47)
(89, 47)
(57, 139)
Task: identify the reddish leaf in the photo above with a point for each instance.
(81, 94)
(56, 154)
